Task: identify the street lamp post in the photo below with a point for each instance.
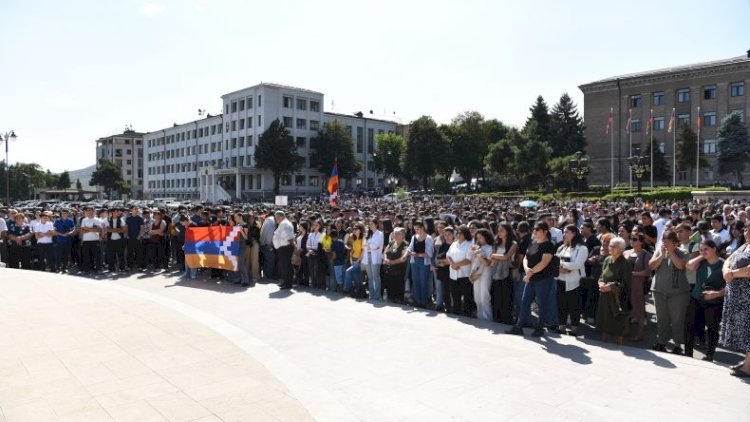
(579, 167)
(639, 165)
(7, 137)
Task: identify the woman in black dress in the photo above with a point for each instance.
(394, 266)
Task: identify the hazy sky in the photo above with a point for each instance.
(73, 71)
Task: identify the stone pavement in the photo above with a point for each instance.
(177, 349)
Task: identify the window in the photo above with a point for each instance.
(659, 98)
(129, 162)
(242, 105)
(299, 180)
(314, 125)
(301, 142)
(234, 143)
(287, 102)
(226, 108)
(200, 132)
(234, 106)
(314, 106)
(301, 104)
(370, 141)
(662, 147)
(242, 141)
(259, 120)
(635, 126)
(287, 121)
(227, 127)
(250, 140)
(737, 89)
(683, 119)
(249, 102)
(301, 124)
(709, 146)
(233, 162)
(709, 92)
(313, 181)
(213, 129)
(242, 160)
(259, 99)
(709, 118)
(635, 101)
(349, 128)
(234, 125)
(249, 122)
(683, 95)
(360, 140)
(658, 123)
(242, 123)
(286, 180)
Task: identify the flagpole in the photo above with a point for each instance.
(651, 142)
(698, 152)
(630, 152)
(674, 148)
(612, 149)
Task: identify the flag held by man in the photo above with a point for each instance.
(213, 247)
(333, 184)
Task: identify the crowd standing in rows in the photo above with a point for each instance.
(482, 258)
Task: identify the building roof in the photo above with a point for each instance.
(126, 133)
(672, 70)
(273, 85)
(364, 116)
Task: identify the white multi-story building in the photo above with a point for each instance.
(212, 159)
(125, 150)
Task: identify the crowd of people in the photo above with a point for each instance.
(491, 259)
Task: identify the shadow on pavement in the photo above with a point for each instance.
(568, 351)
(214, 285)
(637, 353)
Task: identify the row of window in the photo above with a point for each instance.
(288, 102)
(301, 123)
(709, 120)
(708, 147)
(710, 92)
(240, 105)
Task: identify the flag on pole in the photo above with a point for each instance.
(333, 184)
(698, 121)
(630, 119)
(213, 247)
(649, 122)
(671, 122)
(609, 121)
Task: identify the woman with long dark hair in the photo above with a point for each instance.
(459, 257)
(502, 282)
(482, 251)
(573, 254)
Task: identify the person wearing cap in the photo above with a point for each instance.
(44, 230)
(19, 239)
(65, 231)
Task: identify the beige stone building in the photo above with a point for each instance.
(125, 150)
(714, 89)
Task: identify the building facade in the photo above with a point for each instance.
(212, 159)
(713, 89)
(126, 151)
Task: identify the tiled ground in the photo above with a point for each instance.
(154, 347)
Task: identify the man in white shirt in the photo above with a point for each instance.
(44, 230)
(283, 241)
(91, 230)
(555, 233)
(3, 233)
(115, 229)
(718, 229)
(660, 224)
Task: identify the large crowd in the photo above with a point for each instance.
(571, 262)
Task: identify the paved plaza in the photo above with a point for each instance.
(146, 347)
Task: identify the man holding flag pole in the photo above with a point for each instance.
(333, 184)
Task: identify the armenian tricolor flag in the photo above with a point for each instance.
(333, 184)
(213, 247)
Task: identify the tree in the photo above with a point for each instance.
(539, 125)
(388, 152)
(334, 142)
(469, 143)
(660, 167)
(495, 130)
(276, 151)
(500, 155)
(108, 175)
(426, 150)
(79, 185)
(734, 146)
(63, 182)
(563, 176)
(530, 158)
(566, 128)
(687, 149)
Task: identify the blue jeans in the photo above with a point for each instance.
(373, 281)
(547, 311)
(269, 261)
(420, 275)
(438, 290)
(338, 270)
(353, 275)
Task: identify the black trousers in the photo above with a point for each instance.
(590, 296)
(284, 264)
(62, 254)
(90, 254)
(700, 316)
(19, 257)
(462, 296)
(502, 300)
(46, 255)
(116, 254)
(393, 281)
(135, 253)
(568, 305)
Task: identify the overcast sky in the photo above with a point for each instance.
(73, 71)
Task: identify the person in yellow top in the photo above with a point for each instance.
(353, 274)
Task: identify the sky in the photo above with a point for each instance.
(76, 70)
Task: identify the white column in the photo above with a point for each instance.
(237, 185)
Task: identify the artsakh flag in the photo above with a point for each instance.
(213, 247)
(333, 184)
(630, 119)
(698, 122)
(649, 122)
(610, 120)
(671, 122)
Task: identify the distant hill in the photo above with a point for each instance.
(84, 175)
